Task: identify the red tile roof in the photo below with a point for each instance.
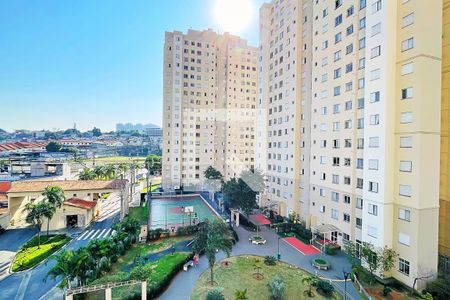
(21, 145)
(80, 203)
(4, 186)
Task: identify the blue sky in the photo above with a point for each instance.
(93, 62)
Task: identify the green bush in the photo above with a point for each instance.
(276, 287)
(325, 287)
(330, 249)
(187, 230)
(270, 260)
(155, 234)
(386, 291)
(215, 295)
(440, 288)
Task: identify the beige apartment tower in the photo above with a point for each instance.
(210, 91)
(349, 110)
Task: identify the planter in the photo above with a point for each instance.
(321, 264)
(257, 240)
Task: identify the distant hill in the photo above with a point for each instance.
(134, 127)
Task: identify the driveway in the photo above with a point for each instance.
(182, 285)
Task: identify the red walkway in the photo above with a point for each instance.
(259, 219)
(300, 246)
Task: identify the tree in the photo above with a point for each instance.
(211, 237)
(54, 195)
(109, 171)
(99, 172)
(310, 281)
(241, 193)
(370, 258)
(215, 295)
(35, 217)
(276, 287)
(64, 267)
(153, 163)
(96, 132)
(212, 173)
(387, 257)
(53, 147)
(48, 210)
(87, 174)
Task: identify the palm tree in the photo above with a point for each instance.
(211, 237)
(309, 280)
(99, 172)
(48, 210)
(122, 168)
(54, 195)
(87, 174)
(65, 267)
(110, 171)
(241, 294)
(35, 217)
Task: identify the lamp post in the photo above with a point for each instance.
(346, 276)
(279, 255)
(182, 214)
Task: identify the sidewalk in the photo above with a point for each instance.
(183, 284)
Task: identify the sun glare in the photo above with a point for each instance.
(233, 16)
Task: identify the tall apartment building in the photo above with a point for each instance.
(283, 111)
(371, 117)
(444, 204)
(210, 90)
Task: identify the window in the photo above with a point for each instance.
(404, 239)
(361, 83)
(359, 203)
(373, 164)
(345, 236)
(406, 117)
(361, 103)
(376, 6)
(362, 23)
(335, 196)
(407, 69)
(336, 161)
(337, 55)
(349, 29)
(407, 93)
(337, 90)
(375, 51)
(372, 209)
(338, 3)
(406, 142)
(348, 105)
(337, 37)
(408, 44)
(323, 160)
(335, 179)
(349, 68)
(346, 199)
(338, 20)
(362, 63)
(347, 162)
(334, 213)
(347, 218)
(347, 180)
(349, 49)
(322, 209)
(375, 97)
(337, 73)
(405, 166)
(362, 4)
(359, 183)
(373, 187)
(375, 74)
(322, 193)
(374, 142)
(403, 266)
(358, 223)
(408, 20)
(374, 119)
(362, 43)
(350, 11)
(376, 29)
(359, 163)
(404, 214)
(405, 190)
(372, 231)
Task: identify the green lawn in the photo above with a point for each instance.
(154, 188)
(139, 213)
(240, 276)
(162, 268)
(29, 255)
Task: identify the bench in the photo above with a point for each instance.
(188, 264)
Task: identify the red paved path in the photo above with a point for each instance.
(300, 246)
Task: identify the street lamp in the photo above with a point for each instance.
(182, 214)
(346, 276)
(279, 255)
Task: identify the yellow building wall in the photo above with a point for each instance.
(444, 197)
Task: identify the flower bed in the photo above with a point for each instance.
(321, 264)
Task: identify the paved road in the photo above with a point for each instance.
(30, 284)
(10, 242)
(182, 286)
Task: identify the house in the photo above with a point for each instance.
(78, 210)
(4, 213)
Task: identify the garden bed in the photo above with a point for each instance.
(240, 276)
(321, 264)
(29, 255)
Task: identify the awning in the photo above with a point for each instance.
(259, 219)
(324, 228)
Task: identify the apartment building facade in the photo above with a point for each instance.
(283, 108)
(444, 197)
(210, 90)
(373, 68)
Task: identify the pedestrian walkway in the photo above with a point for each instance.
(92, 234)
(300, 246)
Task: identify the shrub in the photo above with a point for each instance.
(187, 230)
(386, 290)
(270, 260)
(330, 249)
(155, 234)
(325, 287)
(215, 295)
(235, 235)
(440, 288)
(276, 287)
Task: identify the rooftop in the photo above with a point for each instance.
(80, 203)
(66, 185)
